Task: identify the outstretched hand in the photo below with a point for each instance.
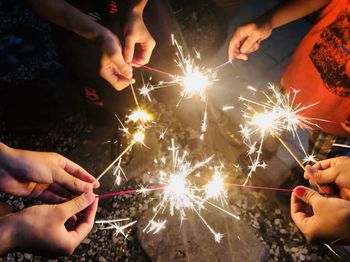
(52, 230)
(47, 176)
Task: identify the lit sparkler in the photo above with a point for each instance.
(117, 225)
(277, 114)
(180, 194)
(138, 137)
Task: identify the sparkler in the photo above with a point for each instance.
(116, 225)
(180, 194)
(278, 114)
(138, 137)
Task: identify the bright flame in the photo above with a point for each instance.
(194, 81)
(139, 137)
(264, 121)
(140, 115)
(215, 187)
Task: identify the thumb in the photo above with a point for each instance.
(129, 49)
(77, 204)
(307, 195)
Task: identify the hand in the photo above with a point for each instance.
(334, 170)
(139, 43)
(47, 176)
(114, 69)
(44, 229)
(246, 39)
(321, 219)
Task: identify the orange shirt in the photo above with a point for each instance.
(320, 68)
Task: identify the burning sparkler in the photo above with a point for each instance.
(117, 225)
(180, 194)
(272, 117)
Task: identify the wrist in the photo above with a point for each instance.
(7, 235)
(7, 154)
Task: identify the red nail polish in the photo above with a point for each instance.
(299, 191)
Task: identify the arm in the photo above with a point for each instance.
(113, 68)
(67, 16)
(247, 37)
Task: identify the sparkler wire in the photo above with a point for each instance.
(154, 69)
(116, 160)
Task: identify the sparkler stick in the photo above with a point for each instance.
(217, 68)
(134, 95)
(154, 69)
(116, 160)
(137, 137)
(290, 152)
(341, 145)
(132, 191)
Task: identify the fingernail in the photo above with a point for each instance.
(96, 184)
(299, 191)
(310, 169)
(87, 187)
(89, 196)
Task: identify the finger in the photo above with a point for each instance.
(76, 205)
(248, 44)
(145, 53)
(234, 45)
(77, 171)
(300, 212)
(49, 197)
(122, 67)
(129, 48)
(323, 164)
(85, 225)
(253, 48)
(307, 195)
(70, 182)
(242, 57)
(325, 176)
(59, 190)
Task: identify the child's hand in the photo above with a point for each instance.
(48, 176)
(139, 43)
(114, 68)
(246, 39)
(334, 170)
(51, 230)
(320, 219)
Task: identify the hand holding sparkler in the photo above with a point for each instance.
(333, 175)
(47, 176)
(49, 230)
(321, 219)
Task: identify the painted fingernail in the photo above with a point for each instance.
(299, 191)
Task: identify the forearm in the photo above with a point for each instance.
(67, 16)
(7, 238)
(291, 10)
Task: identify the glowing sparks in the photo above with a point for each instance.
(140, 115)
(138, 137)
(180, 194)
(117, 225)
(277, 114)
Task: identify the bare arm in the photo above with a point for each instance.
(246, 39)
(289, 11)
(68, 17)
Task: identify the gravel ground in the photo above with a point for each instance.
(271, 224)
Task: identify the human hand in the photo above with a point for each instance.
(331, 171)
(48, 230)
(47, 176)
(114, 68)
(246, 39)
(319, 218)
(139, 43)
